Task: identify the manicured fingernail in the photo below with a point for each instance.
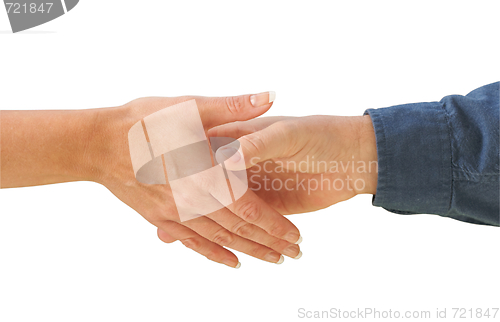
(262, 98)
(282, 259)
(299, 241)
(291, 251)
(298, 256)
(227, 153)
(239, 264)
(230, 263)
(273, 257)
(292, 238)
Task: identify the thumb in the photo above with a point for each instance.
(275, 141)
(216, 111)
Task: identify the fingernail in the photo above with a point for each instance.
(273, 257)
(227, 153)
(299, 241)
(282, 259)
(239, 264)
(272, 96)
(291, 251)
(298, 256)
(262, 98)
(293, 238)
(230, 263)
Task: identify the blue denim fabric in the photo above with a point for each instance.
(441, 157)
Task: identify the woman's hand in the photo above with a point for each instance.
(46, 147)
(251, 226)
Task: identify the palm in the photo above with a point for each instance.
(296, 197)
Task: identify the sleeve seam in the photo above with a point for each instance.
(448, 126)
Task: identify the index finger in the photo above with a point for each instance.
(254, 210)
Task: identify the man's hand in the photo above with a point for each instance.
(303, 164)
(306, 163)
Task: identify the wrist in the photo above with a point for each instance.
(367, 155)
(104, 144)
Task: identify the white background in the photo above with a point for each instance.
(73, 252)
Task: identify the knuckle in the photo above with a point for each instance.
(191, 243)
(137, 101)
(167, 240)
(223, 238)
(254, 142)
(256, 251)
(185, 98)
(250, 212)
(285, 128)
(277, 231)
(169, 225)
(284, 125)
(205, 181)
(243, 229)
(211, 255)
(184, 204)
(276, 244)
(191, 195)
(286, 131)
(235, 104)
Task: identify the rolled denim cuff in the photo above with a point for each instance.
(414, 158)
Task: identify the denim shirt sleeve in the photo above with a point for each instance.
(441, 157)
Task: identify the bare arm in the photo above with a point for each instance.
(44, 147)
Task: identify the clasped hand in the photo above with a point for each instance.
(294, 165)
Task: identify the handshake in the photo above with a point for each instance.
(205, 171)
(208, 173)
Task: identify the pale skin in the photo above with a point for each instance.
(46, 147)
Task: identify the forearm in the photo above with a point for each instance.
(44, 147)
(440, 157)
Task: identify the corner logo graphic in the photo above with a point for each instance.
(28, 14)
(170, 145)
